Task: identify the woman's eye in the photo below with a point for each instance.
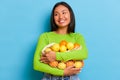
(64, 13)
(56, 14)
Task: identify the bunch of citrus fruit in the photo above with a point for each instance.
(64, 46)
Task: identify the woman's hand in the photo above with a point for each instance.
(48, 57)
(71, 71)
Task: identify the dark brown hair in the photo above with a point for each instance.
(71, 26)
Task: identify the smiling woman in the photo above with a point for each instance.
(62, 16)
(22, 21)
(54, 62)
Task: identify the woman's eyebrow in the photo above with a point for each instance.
(64, 10)
(56, 12)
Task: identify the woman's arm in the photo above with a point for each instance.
(80, 54)
(39, 66)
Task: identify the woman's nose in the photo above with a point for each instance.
(61, 16)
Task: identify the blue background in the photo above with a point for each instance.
(22, 21)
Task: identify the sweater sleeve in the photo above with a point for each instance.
(39, 66)
(74, 54)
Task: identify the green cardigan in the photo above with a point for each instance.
(50, 37)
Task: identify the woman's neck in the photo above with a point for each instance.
(61, 31)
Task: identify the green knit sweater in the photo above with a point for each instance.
(50, 37)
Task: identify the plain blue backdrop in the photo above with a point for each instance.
(22, 21)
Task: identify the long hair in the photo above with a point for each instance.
(71, 26)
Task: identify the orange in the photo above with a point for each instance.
(63, 42)
(69, 63)
(79, 64)
(76, 45)
(70, 45)
(63, 48)
(62, 65)
(53, 64)
(55, 47)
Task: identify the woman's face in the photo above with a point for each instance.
(62, 16)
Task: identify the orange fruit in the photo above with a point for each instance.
(76, 45)
(70, 45)
(55, 47)
(48, 49)
(79, 64)
(63, 48)
(63, 42)
(69, 63)
(61, 65)
(53, 64)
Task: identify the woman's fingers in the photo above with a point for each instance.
(44, 54)
(46, 62)
(71, 71)
(44, 59)
(75, 69)
(50, 56)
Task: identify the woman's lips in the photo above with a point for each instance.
(61, 21)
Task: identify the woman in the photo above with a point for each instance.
(62, 28)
